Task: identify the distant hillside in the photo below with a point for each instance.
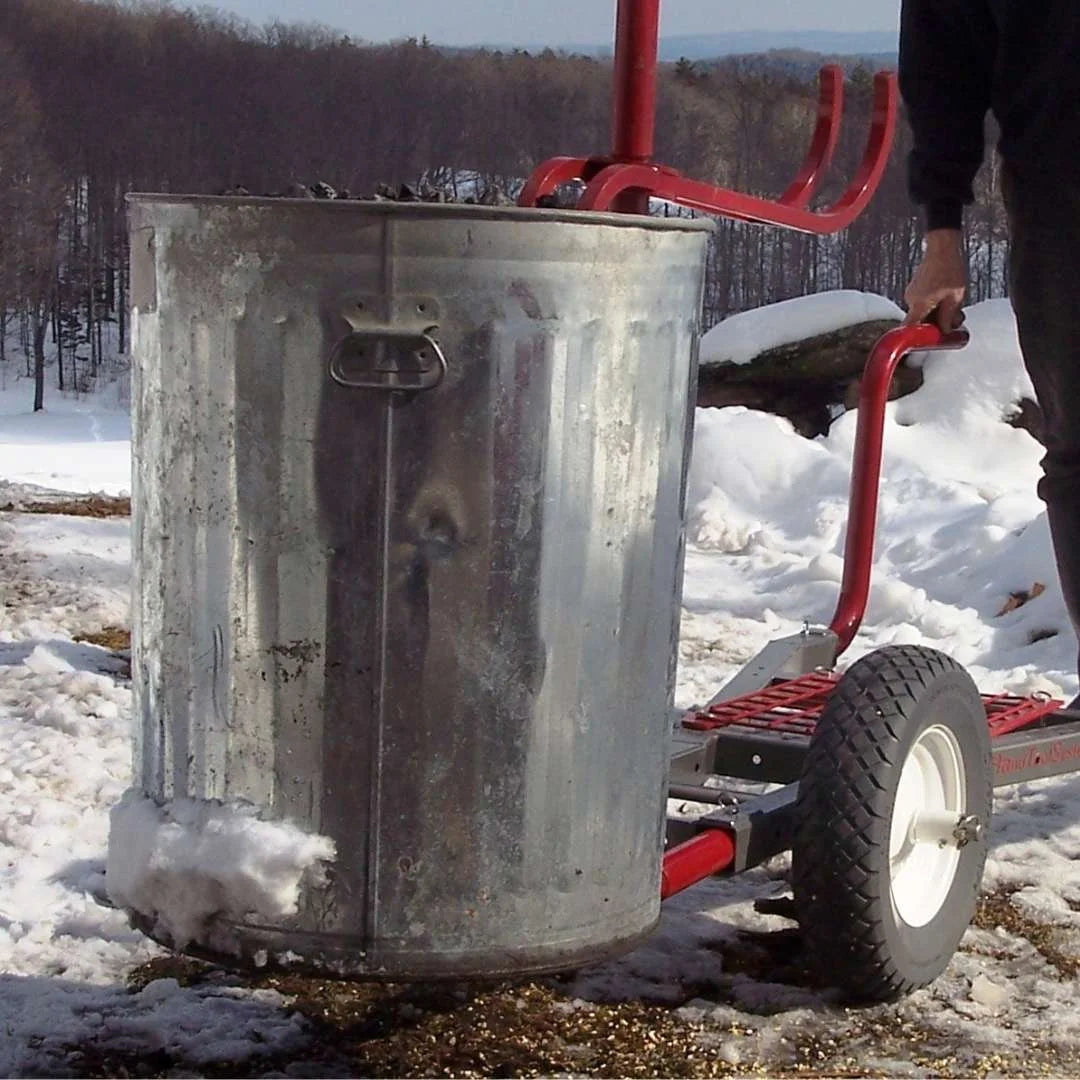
(828, 42)
(798, 63)
(713, 46)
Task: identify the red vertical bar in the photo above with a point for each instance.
(633, 122)
(633, 114)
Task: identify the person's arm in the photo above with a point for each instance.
(947, 53)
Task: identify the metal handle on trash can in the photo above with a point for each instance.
(386, 348)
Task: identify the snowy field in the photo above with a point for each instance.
(75, 444)
(961, 530)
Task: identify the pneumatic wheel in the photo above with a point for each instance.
(892, 819)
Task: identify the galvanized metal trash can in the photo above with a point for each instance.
(408, 511)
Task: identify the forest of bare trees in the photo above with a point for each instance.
(99, 99)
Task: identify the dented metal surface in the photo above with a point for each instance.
(433, 618)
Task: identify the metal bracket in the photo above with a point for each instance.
(762, 826)
(814, 649)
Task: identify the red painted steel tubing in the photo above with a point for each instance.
(694, 860)
(627, 179)
(884, 359)
(875, 158)
(547, 176)
(633, 110)
(633, 114)
(612, 183)
(823, 144)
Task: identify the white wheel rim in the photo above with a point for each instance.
(930, 801)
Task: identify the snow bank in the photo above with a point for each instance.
(739, 339)
(189, 862)
(960, 526)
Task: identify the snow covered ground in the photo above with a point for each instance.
(961, 529)
(75, 444)
(64, 759)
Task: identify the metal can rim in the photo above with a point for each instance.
(436, 211)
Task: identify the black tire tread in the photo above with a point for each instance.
(846, 771)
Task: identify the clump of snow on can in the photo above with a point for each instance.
(191, 863)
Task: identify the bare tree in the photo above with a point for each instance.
(199, 102)
(30, 199)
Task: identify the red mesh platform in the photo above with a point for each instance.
(792, 708)
(1006, 713)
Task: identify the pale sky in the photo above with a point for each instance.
(557, 22)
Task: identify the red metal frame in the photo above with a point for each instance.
(1006, 713)
(822, 146)
(701, 856)
(792, 707)
(627, 179)
(866, 466)
(633, 110)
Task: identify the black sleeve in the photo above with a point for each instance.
(947, 54)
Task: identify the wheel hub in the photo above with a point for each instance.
(929, 826)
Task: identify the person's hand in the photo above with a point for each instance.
(937, 289)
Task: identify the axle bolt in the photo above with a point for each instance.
(968, 830)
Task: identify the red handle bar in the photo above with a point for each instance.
(866, 465)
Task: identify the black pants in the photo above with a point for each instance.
(1044, 280)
